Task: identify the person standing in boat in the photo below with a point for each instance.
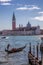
(8, 46)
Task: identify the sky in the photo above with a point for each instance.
(24, 10)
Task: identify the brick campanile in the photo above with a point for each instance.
(13, 22)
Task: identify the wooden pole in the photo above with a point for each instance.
(30, 47)
(41, 50)
(42, 58)
(37, 51)
(33, 50)
(37, 47)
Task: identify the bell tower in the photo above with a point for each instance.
(13, 22)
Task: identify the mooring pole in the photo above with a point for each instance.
(37, 49)
(30, 47)
(42, 58)
(41, 49)
(33, 50)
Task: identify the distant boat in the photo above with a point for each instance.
(3, 37)
(14, 50)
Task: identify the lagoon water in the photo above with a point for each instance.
(20, 58)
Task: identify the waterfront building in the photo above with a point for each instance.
(37, 31)
(41, 31)
(21, 30)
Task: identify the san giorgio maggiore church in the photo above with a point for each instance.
(27, 30)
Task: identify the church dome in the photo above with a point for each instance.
(28, 25)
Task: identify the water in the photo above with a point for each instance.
(20, 58)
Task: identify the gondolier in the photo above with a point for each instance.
(8, 46)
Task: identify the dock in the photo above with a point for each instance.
(31, 56)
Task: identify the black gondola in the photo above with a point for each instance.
(14, 50)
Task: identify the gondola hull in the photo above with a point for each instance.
(14, 50)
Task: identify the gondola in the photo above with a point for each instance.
(14, 50)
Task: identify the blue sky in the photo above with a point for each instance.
(25, 10)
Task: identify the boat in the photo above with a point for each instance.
(3, 37)
(14, 50)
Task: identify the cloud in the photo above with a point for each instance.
(40, 12)
(25, 5)
(28, 8)
(29, 5)
(5, 3)
(39, 18)
(5, 0)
